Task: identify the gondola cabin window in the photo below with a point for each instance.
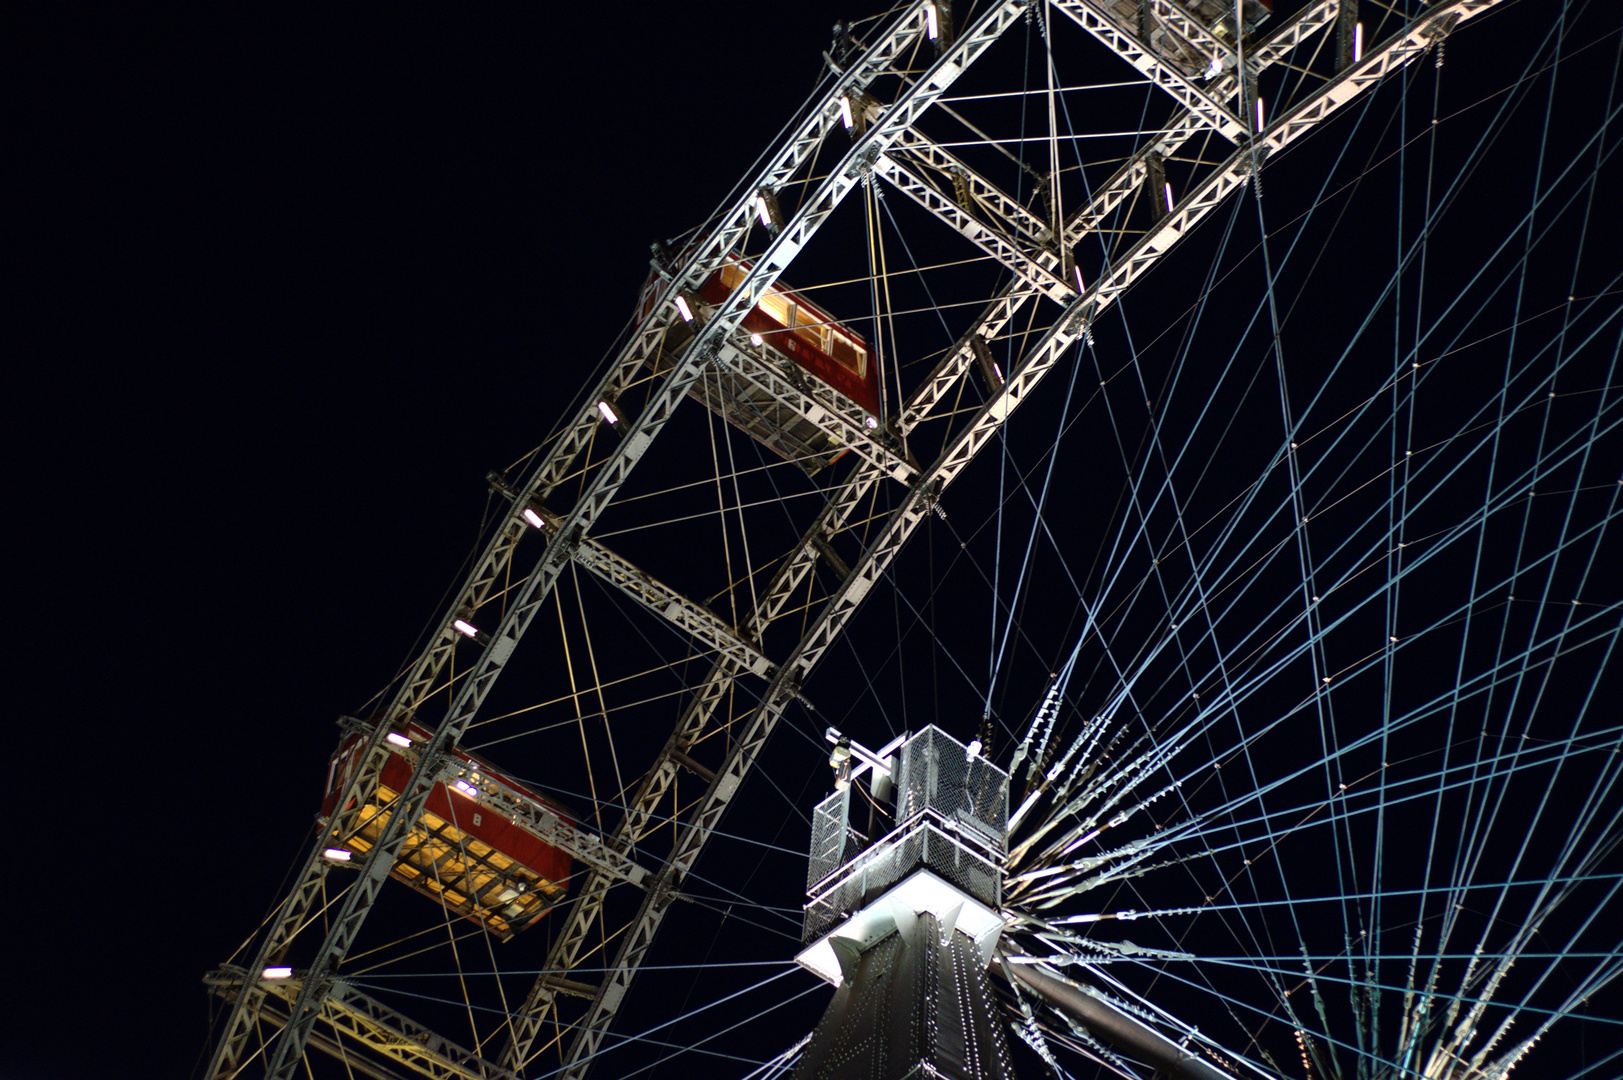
(791, 325)
(788, 333)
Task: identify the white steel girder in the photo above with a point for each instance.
(692, 618)
(926, 490)
(696, 619)
(840, 419)
(371, 1024)
(1091, 17)
(994, 243)
(908, 29)
(498, 645)
(915, 147)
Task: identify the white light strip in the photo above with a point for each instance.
(277, 973)
(683, 310)
(1169, 185)
(607, 412)
(845, 113)
(1260, 124)
(463, 627)
(761, 210)
(1358, 42)
(931, 27)
(534, 518)
(399, 738)
(336, 854)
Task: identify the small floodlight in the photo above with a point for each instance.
(766, 208)
(757, 340)
(974, 748)
(991, 374)
(462, 626)
(277, 973)
(609, 412)
(683, 310)
(534, 518)
(871, 420)
(399, 738)
(840, 761)
(1216, 69)
(465, 788)
(336, 854)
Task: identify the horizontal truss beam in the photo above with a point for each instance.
(910, 183)
(692, 618)
(837, 416)
(664, 601)
(926, 490)
(1091, 17)
(924, 153)
(368, 1022)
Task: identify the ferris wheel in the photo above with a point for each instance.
(1286, 598)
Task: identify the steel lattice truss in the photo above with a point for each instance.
(783, 616)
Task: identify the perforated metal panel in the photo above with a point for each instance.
(874, 871)
(952, 815)
(832, 844)
(917, 1006)
(937, 774)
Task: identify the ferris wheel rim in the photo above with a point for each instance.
(924, 505)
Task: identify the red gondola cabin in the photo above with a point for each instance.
(477, 848)
(798, 337)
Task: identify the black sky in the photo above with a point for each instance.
(295, 279)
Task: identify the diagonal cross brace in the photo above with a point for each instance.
(1042, 358)
(1091, 17)
(989, 240)
(919, 150)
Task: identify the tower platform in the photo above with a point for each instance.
(905, 925)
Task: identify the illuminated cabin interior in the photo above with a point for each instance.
(801, 341)
(789, 317)
(464, 853)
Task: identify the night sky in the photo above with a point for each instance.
(296, 280)
(289, 283)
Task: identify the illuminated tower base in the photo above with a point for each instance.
(905, 926)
